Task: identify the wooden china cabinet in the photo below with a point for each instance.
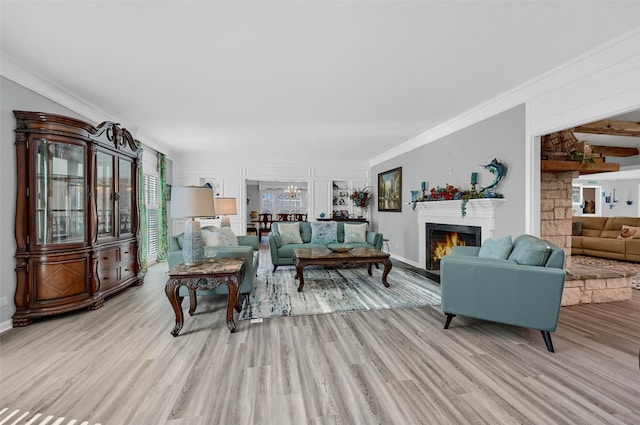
(76, 214)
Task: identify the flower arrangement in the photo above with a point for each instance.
(361, 198)
(446, 193)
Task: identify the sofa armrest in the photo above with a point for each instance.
(375, 239)
(249, 240)
(502, 291)
(274, 244)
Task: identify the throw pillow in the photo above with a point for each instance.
(289, 232)
(530, 251)
(629, 232)
(324, 232)
(355, 232)
(219, 237)
(496, 248)
(576, 228)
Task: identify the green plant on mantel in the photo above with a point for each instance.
(451, 193)
(583, 158)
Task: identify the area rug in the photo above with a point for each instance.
(330, 290)
(611, 264)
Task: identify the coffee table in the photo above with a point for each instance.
(208, 275)
(325, 257)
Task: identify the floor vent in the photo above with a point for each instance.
(15, 417)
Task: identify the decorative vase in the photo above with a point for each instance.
(358, 212)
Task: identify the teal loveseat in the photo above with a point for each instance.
(247, 249)
(525, 289)
(282, 253)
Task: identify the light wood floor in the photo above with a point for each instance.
(120, 365)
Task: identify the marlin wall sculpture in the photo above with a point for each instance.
(498, 170)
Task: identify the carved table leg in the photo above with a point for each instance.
(171, 289)
(385, 273)
(193, 302)
(232, 301)
(369, 269)
(299, 268)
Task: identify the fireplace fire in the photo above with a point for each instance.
(440, 240)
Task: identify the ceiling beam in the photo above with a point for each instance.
(619, 128)
(561, 166)
(615, 151)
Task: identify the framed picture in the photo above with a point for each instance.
(390, 190)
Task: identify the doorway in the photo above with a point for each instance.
(591, 201)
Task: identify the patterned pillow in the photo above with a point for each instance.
(496, 248)
(223, 236)
(355, 232)
(629, 232)
(289, 232)
(324, 232)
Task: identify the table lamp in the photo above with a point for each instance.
(192, 202)
(224, 207)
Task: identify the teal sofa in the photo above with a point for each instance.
(525, 289)
(247, 249)
(282, 254)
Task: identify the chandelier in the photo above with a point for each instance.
(292, 192)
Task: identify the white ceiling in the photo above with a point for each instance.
(320, 80)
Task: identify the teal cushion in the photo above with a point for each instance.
(496, 248)
(324, 232)
(530, 251)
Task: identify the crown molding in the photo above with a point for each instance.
(17, 73)
(601, 57)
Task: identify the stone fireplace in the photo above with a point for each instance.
(555, 210)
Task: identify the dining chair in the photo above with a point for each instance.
(265, 224)
(283, 217)
(300, 217)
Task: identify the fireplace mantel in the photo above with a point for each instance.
(480, 212)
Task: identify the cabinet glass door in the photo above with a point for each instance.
(104, 193)
(59, 192)
(125, 194)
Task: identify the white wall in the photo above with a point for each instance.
(625, 189)
(231, 176)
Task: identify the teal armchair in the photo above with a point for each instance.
(523, 290)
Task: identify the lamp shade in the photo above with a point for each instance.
(192, 201)
(226, 206)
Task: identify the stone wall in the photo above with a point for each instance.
(555, 210)
(597, 286)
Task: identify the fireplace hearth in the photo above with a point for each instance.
(440, 239)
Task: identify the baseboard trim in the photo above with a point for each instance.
(5, 326)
